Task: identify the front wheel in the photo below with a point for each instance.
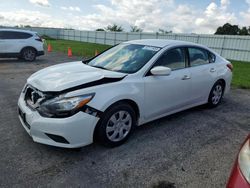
(29, 54)
(116, 125)
(216, 94)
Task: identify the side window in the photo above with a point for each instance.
(20, 35)
(211, 57)
(174, 59)
(15, 35)
(8, 35)
(5, 35)
(198, 56)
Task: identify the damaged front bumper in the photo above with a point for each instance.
(71, 132)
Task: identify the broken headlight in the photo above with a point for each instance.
(61, 107)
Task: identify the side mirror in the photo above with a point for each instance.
(160, 71)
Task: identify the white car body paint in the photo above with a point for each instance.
(155, 96)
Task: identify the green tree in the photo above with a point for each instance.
(135, 29)
(115, 28)
(162, 31)
(244, 31)
(100, 29)
(228, 29)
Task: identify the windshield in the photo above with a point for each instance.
(125, 58)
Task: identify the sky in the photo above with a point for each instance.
(179, 16)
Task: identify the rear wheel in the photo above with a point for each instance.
(216, 94)
(29, 54)
(116, 125)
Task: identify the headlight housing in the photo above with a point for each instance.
(244, 160)
(61, 107)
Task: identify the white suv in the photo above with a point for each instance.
(23, 44)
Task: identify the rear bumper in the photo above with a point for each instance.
(39, 53)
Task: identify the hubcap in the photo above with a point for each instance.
(29, 54)
(217, 93)
(119, 125)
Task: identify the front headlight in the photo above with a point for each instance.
(244, 160)
(60, 107)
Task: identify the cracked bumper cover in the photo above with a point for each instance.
(77, 130)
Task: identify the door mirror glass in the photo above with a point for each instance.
(160, 71)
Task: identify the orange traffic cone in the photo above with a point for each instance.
(49, 48)
(69, 52)
(96, 52)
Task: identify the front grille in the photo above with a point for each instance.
(33, 97)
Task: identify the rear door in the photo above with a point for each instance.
(9, 42)
(14, 41)
(203, 72)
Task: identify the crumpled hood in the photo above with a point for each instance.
(68, 75)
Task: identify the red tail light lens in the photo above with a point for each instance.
(230, 66)
(39, 39)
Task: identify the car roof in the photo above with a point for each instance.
(161, 42)
(18, 30)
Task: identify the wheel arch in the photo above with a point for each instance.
(224, 87)
(26, 48)
(223, 82)
(130, 102)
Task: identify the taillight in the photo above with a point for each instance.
(230, 66)
(244, 160)
(39, 39)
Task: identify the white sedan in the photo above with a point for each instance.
(104, 98)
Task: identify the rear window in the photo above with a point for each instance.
(198, 56)
(14, 35)
(211, 57)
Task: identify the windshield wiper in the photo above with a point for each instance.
(100, 67)
(86, 61)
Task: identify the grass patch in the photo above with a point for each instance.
(241, 74)
(83, 49)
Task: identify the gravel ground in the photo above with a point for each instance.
(194, 148)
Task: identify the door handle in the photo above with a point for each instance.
(212, 70)
(186, 77)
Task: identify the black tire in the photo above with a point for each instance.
(29, 54)
(216, 94)
(101, 130)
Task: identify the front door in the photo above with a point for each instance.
(164, 94)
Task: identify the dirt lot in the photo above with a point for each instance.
(194, 148)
